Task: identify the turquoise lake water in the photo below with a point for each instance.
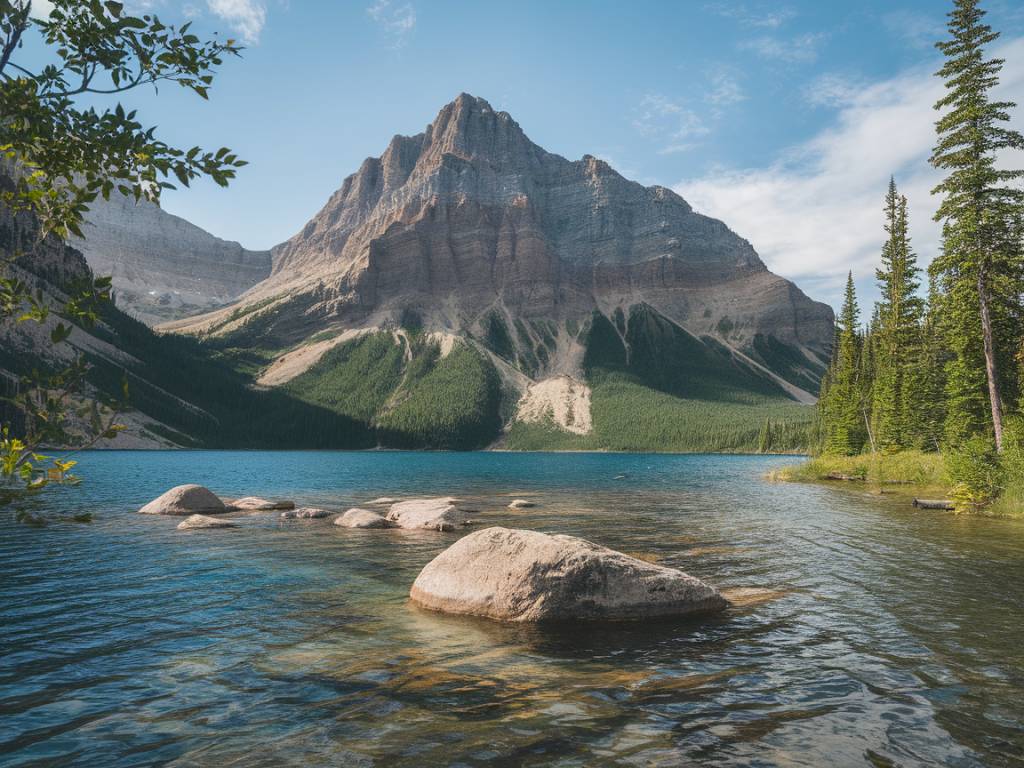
(892, 636)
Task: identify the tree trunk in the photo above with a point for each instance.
(994, 396)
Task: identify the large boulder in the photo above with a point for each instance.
(515, 575)
(362, 518)
(256, 504)
(431, 514)
(306, 513)
(185, 500)
(193, 522)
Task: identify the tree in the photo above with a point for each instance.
(979, 266)
(842, 420)
(899, 316)
(58, 155)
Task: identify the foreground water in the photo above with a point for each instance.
(895, 637)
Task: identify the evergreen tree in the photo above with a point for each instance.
(979, 267)
(924, 393)
(843, 429)
(896, 333)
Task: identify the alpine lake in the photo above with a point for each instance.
(864, 632)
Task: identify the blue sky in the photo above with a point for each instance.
(783, 119)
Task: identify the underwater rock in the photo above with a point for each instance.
(193, 522)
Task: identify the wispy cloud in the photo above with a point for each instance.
(815, 212)
(833, 90)
(397, 21)
(670, 122)
(801, 49)
(724, 88)
(750, 16)
(917, 29)
(246, 17)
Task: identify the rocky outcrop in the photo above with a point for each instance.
(194, 522)
(430, 514)
(185, 500)
(164, 267)
(470, 221)
(362, 518)
(525, 576)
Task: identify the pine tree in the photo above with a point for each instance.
(924, 394)
(897, 329)
(843, 429)
(979, 266)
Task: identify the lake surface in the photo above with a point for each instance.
(895, 637)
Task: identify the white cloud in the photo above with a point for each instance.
(397, 21)
(747, 16)
(917, 29)
(725, 89)
(246, 17)
(41, 9)
(661, 118)
(816, 212)
(792, 50)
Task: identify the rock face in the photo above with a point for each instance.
(431, 514)
(525, 576)
(185, 500)
(362, 518)
(162, 266)
(470, 223)
(193, 522)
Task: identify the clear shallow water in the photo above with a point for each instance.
(897, 639)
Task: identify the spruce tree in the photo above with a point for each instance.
(924, 393)
(979, 266)
(842, 421)
(897, 329)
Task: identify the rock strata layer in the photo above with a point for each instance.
(525, 576)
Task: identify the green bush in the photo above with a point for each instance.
(976, 473)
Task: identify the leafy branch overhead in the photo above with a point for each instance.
(68, 154)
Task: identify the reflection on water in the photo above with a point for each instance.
(865, 633)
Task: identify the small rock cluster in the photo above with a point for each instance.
(497, 573)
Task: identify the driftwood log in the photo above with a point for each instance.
(934, 504)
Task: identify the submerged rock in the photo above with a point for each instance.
(383, 500)
(521, 504)
(306, 513)
(430, 514)
(185, 500)
(362, 518)
(193, 522)
(516, 575)
(256, 504)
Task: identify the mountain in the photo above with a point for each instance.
(467, 278)
(164, 267)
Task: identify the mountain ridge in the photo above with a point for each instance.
(470, 218)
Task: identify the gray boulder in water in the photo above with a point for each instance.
(256, 504)
(523, 576)
(429, 514)
(306, 513)
(193, 522)
(185, 500)
(362, 518)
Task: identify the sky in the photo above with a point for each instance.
(785, 120)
